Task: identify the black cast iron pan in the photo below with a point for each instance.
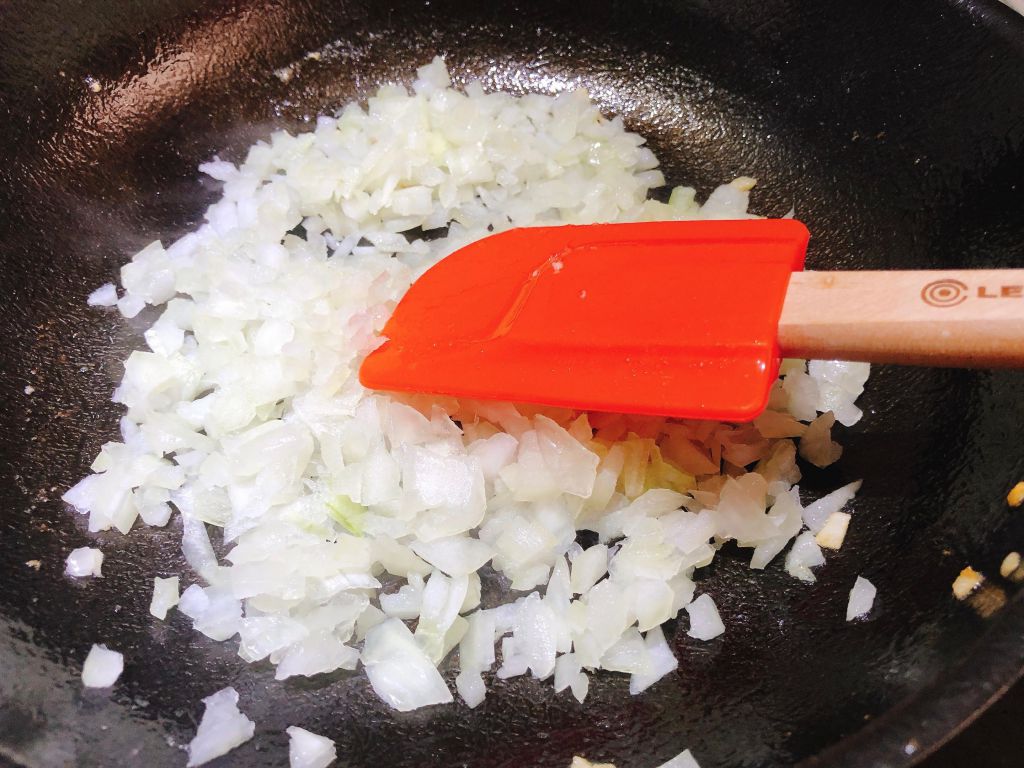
(895, 129)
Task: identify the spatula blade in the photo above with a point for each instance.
(663, 318)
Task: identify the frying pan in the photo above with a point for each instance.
(894, 129)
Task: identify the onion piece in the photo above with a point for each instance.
(804, 555)
(684, 759)
(455, 555)
(165, 596)
(309, 750)
(84, 561)
(536, 635)
(319, 653)
(442, 599)
(399, 670)
(629, 654)
(661, 662)
(705, 623)
(104, 296)
(817, 513)
(102, 667)
(588, 567)
(816, 444)
(222, 728)
(407, 602)
(862, 597)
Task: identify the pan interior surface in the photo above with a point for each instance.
(894, 132)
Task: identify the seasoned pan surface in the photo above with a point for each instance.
(895, 132)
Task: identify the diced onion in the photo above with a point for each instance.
(222, 728)
(862, 597)
(399, 670)
(104, 296)
(102, 667)
(317, 518)
(165, 596)
(84, 561)
(705, 623)
(309, 750)
(684, 759)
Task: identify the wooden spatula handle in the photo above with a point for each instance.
(965, 318)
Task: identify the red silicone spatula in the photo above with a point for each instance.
(682, 319)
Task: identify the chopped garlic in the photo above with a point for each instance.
(987, 600)
(833, 533)
(1010, 564)
(968, 581)
(1016, 495)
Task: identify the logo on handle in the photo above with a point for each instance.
(948, 292)
(944, 293)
